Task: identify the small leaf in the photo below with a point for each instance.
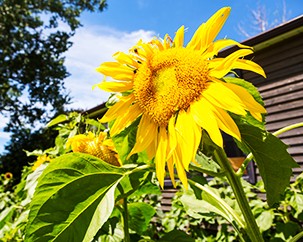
(176, 235)
(125, 141)
(147, 188)
(59, 119)
(265, 220)
(273, 160)
(298, 203)
(140, 215)
(206, 163)
(73, 198)
(132, 182)
(6, 215)
(95, 123)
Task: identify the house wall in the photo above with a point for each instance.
(282, 91)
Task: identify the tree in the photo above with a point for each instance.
(34, 35)
(262, 19)
(32, 44)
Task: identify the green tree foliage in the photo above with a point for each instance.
(32, 71)
(31, 55)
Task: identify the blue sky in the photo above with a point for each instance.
(123, 23)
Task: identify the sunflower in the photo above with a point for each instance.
(98, 146)
(177, 91)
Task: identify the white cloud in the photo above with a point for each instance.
(92, 46)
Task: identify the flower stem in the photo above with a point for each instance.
(125, 221)
(287, 128)
(235, 183)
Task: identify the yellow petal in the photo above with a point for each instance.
(118, 109)
(146, 134)
(115, 86)
(205, 118)
(158, 43)
(129, 116)
(171, 170)
(246, 97)
(207, 32)
(172, 139)
(147, 49)
(167, 41)
(226, 123)
(181, 173)
(218, 45)
(249, 65)
(257, 116)
(116, 71)
(221, 96)
(223, 66)
(179, 38)
(251, 104)
(160, 158)
(186, 131)
(125, 59)
(185, 137)
(152, 148)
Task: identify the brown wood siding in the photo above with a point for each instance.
(282, 92)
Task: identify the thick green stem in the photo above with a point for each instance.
(235, 183)
(125, 221)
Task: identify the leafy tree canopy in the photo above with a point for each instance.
(32, 70)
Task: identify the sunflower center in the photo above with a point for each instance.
(169, 82)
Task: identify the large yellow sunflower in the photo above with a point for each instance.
(177, 92)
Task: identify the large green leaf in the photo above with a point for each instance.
(140, 215)
(273, 160)
(73, 199)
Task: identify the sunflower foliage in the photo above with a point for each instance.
(173, 104)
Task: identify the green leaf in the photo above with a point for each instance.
(288, 229)
(73, 199)
(132, 182)
(59, 119)
(125, 141)
(95, 123)
(176, 235)
(140, 215)
(147, 188)
(6, 216)
(205, 162)
(296, 202)
(273, 160)
(211, 203)
(265, 220)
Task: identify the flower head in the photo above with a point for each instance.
(8, 176)
(99, 146)
(177, 92)
(40, 160)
